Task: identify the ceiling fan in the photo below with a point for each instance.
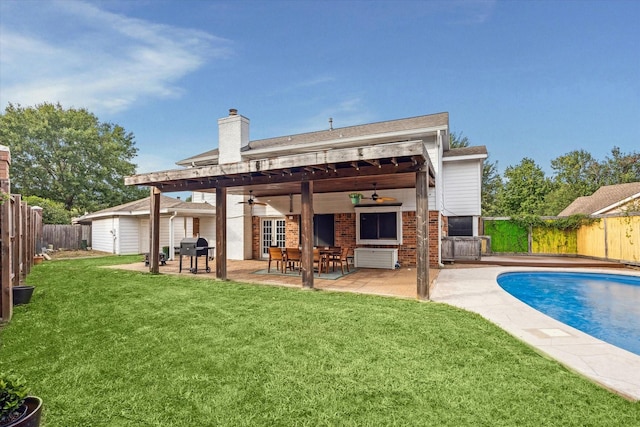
(252, 201)
(379, 199)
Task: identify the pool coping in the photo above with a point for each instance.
(477, 290)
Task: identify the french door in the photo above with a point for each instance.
(273, 233)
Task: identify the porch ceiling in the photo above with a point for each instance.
(332, 170)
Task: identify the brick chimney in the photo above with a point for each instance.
(233, 137)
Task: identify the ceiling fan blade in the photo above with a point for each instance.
(252, 202)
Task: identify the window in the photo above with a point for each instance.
(460, 225)
(323, 230)
(379, 225)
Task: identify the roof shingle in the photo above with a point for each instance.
(604, 197)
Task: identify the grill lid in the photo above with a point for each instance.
(199, 242)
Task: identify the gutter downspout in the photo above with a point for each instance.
(438, 192)
(114, 235)
(171, 237)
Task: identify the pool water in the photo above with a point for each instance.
(605, 306)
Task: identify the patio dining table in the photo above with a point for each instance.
(327, 254)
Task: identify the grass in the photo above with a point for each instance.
(106, 347)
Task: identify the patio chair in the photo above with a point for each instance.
(293, 257)
(320, 260)
(342, 259)
(333, 257)
(275, 254)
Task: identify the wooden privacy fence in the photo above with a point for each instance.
(461, 248)
(613, 237)
(20, 237)
(62, 236)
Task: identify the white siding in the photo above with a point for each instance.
(238, 223)
(164, 232)
(101, 236)
(208, 229)
(200, 197)
(128, 238)
(462, 182)
(144, 235)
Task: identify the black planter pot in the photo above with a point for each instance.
(31, 418)
(22, 294)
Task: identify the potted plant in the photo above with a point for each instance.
(17, 409)
(22, 294)
(355, 198)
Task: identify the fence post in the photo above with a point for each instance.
(16, 242)
(606, 240)
(6, 298)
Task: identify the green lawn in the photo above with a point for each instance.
(105, 347)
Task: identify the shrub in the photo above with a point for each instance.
(13, 392)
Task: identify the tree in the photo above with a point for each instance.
(492, 186)
(52, 212)
(458, 140)
(68, 156)
(525, 189)
(577, 174)
(621, 168)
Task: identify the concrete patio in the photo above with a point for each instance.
(395, 283)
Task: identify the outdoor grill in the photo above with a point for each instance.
(195, 247)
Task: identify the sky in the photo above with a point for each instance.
(533, 79)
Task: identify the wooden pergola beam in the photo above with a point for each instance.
(422, 234)
(306, 220)
(154, 232)
(298, 175)
(221, 233)
(415, 149)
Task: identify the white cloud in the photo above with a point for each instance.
(96, 59)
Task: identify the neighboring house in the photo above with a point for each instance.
(454, 196)
(608, 199)
(124, 229)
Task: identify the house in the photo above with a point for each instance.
(124, 229)
(293, 190)
(607, 199)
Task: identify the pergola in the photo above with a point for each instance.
(392, 165)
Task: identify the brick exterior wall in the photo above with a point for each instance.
(345, 229)
(345, 235)
(255, 237)
(292, 227)
(433, 238)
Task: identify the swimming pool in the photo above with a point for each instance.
(605, 306)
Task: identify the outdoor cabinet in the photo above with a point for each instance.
(376, 257)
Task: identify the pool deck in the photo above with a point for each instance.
(477, 290)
